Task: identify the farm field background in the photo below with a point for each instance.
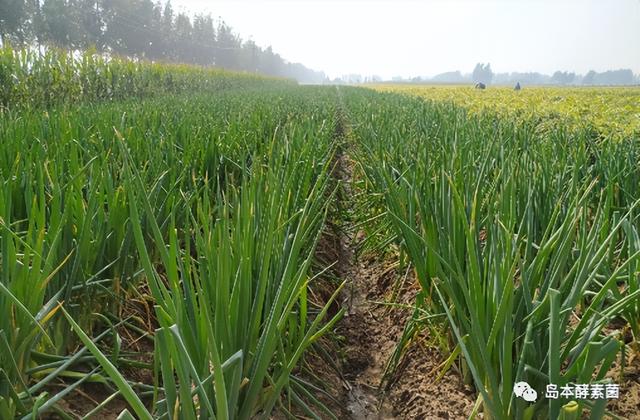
(184, 243)
(610, 111)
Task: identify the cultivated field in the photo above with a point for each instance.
(178, 242)
(609, 111)
(524, 241)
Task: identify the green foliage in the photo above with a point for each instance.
(213, 197)
(527, 241)
(32, 80)
(211, 189)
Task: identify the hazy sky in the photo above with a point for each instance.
(423, 38)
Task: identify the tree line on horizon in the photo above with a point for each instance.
(482, 73)
(143, 29)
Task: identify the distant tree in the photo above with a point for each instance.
(227, 47)
(530, 78)
(502, 78)
(61, 26)
(251, 54)
(488, 73)
(184, 48)
(563, 78)
(482, 73)
(449, 77)
(159, 37)
(168, 35)
(304, 75)
(270, 62)
(477, 74)
(144, 15)
(615, 77)
(137, 20)
(119, 27)
(204, 39)
(13, 21)
(589, 78)
(89, 24)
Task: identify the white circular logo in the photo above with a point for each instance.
(523, 390)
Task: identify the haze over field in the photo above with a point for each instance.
(328, 41)
(423, 38)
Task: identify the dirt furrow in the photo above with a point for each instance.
(370, 331)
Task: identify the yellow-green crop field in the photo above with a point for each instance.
(611, 111)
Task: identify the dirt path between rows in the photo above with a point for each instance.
(364, 350)
(370, 331)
